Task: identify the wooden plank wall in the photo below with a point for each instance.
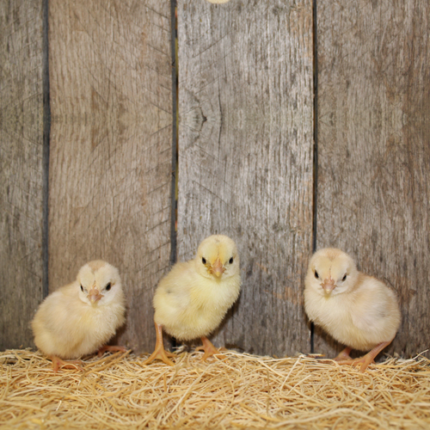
(246, 153)
(111, 147)
(245, 157)
(23, 167)
(374, 149)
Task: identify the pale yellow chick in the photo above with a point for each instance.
(357, 310)
(218, 1)
(80, 318)
(193, 298)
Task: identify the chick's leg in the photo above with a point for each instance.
(110, 348)
(370, 356)
(58, 363)
(159, 351)
(209, 349)
(343, 355)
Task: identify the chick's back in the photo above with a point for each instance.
(189, 305)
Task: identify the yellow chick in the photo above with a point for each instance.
(192, 299)
(81, 317)
(357, 310)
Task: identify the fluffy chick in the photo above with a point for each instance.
(359, 311)
(79, 318)
(192, 299)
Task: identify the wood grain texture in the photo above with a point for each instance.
(374, 152)
(245, 157)
(111, 147)
(23, 158)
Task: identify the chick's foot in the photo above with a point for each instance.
(209, 349)
(159, 351)
(342, 358)
(58, 363)
(368, 358)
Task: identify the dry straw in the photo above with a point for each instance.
(240, 392)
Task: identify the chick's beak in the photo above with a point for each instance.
(217, 269)
(329, 285)
(94, 295)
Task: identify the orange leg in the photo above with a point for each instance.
(58, 363)
(343, 355)
(110, 348)
(209, 349)
(368, 358)
(159, 351)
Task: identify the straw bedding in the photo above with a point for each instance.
(241, 391)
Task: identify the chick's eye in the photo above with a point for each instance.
(108, 286)
(344, 277)
(82, 288)
(231, 260)
(316, 274)
(204, 260)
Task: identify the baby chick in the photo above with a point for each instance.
(192, 299)
(81, 317)
(357, 310)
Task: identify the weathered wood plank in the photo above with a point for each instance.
(111, 147)
(373, 149)
(245, 157)
(23, 168)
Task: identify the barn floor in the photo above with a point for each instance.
(242, 391)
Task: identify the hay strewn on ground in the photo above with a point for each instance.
(242, 391)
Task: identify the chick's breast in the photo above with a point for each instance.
(332, 314)
(189, 305)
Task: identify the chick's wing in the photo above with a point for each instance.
(372, 305)
(174, 289)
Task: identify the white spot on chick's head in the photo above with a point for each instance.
(217, 258)
(99, 283)
(331, 272)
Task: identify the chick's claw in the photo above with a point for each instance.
(210, 350)
(161, 354)
(159, 351)
(58, 363)
(364, 361)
